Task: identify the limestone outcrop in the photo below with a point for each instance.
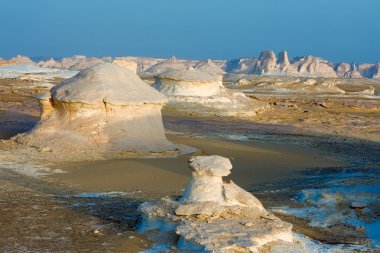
(209, 67)
(17, 60)
(370, 70)
(307, 86)
(105, 108)
(126, 63)
(165, 66)
(268, 64)
(346, 70)
(216, 216)
(85, 63)
(191, 91)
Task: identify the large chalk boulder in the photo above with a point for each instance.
(192, 91)
(105, 108)
(216, 216)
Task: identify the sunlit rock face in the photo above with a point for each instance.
(266, 62)
(215, 216)
(308, 86)
(209, 67)
(311, 66)
(17, 60)
(196, 92)
(103, 108)
(283, 59)
(370, 70)
(346, 70)
(188, 82)
(126, 63)
(86, 63)
(165, 66)
(51, 63)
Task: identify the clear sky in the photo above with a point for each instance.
(338, 30)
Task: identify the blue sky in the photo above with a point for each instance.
(338, 30)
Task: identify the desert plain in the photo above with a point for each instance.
(310, 155)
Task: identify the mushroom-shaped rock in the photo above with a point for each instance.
(206, 183)
(188, 82)
(105, 108)
(216, 216)
(164, 66)
(196, 92)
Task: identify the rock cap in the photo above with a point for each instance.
(107, 83)
(211, 165)
(189, 74)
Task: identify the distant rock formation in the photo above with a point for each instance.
(309, 86)
(191, 91)
(311, 66)
(105, 108)
(85, 63)
(126, 63)
(217, 216)
(51, 63)
(210, 68)
(265, 63)
(268, 64)
(283, 59)
(188, 82)
(346, 70)
(17, 60)
(370, 70)
(165, 66)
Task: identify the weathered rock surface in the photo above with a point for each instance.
(309, 86)
(370, 70)
(165, 66)
(17, 60)
(105, 108)
(215, 216)
(210, 68)
(126, 63)
(192, 91)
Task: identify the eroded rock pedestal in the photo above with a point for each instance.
(194, 92)
(216, 216)
(105, 108)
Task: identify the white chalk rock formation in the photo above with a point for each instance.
(209, 67)
(311, 66)
(86, 63)
(196, 92)
(346, 70)
(17, 60)
(188, 82)
(206, 183)
(165, 66)
(370, 70)
(216, 216)
(51, 63)
(105, 108)
(283, 59)
(126, 63)
(266, 62)
(67, 62)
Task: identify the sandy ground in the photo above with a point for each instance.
(253, 162)
(279, 150)
(50, 214)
